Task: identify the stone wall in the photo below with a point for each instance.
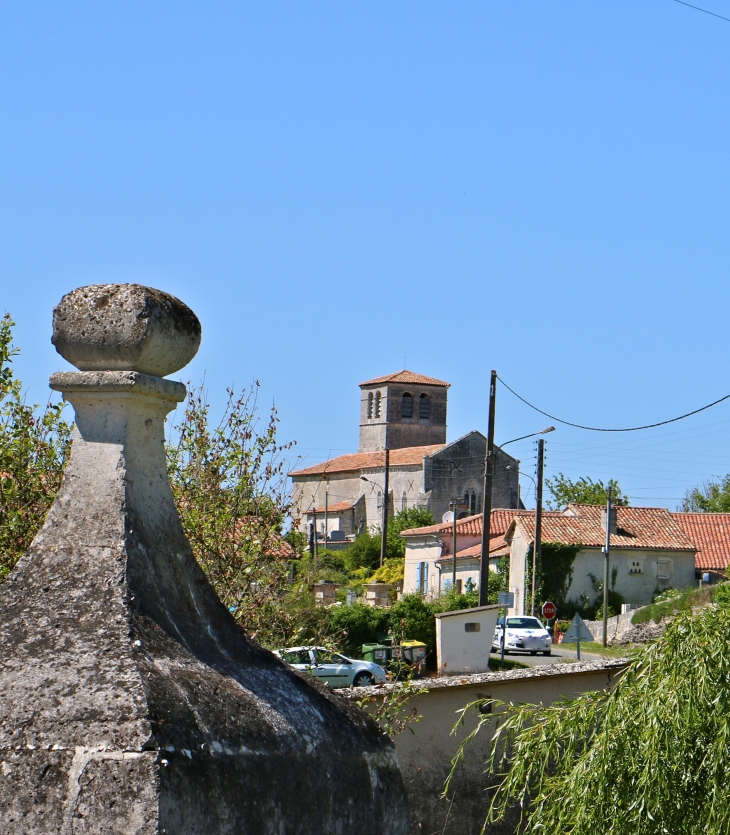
(460, 467)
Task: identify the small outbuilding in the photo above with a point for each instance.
(464, 639)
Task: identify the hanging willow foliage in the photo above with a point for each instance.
(648, 757)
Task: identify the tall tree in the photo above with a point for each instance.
(564, 490)
(34, 446)
(710, 497)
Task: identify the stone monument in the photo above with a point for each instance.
(131, 703)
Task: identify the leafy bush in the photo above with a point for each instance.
(353, 626)
(34, 446)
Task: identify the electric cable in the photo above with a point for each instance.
(599, 429)
(703, 10)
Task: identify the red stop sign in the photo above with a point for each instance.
(548, 610)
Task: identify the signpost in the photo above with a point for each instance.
(506, 599)
(548, 610)
(577, 632)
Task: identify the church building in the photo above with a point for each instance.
(405, 413)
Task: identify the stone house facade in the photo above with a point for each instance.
(406, 412)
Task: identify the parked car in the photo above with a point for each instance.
(331, 667)
(523, 634)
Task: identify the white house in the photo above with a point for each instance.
(649, 550)
(429, 559)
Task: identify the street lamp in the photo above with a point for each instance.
(524, 437)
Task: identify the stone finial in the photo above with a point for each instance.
(131, 702)
(125, 327)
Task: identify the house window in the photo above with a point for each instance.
(472, 627)
(404, 502)
(664, 569)
(377, 404)
(406, 406)
(424, 407)
(370, 405)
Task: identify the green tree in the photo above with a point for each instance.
(646, 758)
(412, 517)
(710, 497)
(564, 490)
(34, 447)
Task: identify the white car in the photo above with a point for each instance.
(331, 667)
(523, 634)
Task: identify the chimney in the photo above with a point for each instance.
(613, 519)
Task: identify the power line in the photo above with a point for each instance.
(702, 10)
(629, 429)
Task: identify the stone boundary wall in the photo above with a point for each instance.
(425, 755)
(616, 627)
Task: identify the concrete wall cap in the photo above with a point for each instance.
(125, 327)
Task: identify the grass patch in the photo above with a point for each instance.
(599, 649)
(683, 601)
(495, 665)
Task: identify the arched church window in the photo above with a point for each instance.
(370, 404)
(470, 500)
(404, 502)
(406, 406)
(424, 407)
(377, 404)
(380, 500)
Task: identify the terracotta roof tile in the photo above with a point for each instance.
(406, 377)
(472, 525)
(339, 507)
(498, 547)
(638, 527)
(710, 534)
(405, 457)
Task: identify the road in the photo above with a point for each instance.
(561, 655)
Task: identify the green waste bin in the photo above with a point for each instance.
(378, 653)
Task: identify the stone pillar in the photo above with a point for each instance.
(131, 703)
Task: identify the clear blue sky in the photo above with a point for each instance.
(336, 188)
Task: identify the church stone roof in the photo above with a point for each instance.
(404, 457)
(406, 377)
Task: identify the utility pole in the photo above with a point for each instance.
(326, 508)
(454, 505)
(315, 552)
(487, 497)
(606, 553)
(384, 527)
(537, 545)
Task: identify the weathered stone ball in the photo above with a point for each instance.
(125, 327)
